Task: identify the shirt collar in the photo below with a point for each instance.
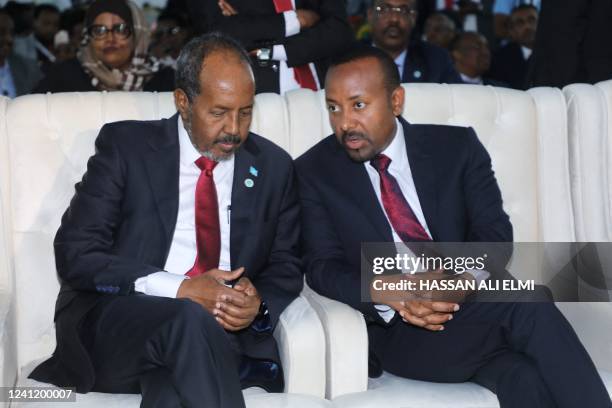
(188, 153)
(396, 150)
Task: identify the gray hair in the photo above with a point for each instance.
(193, 54)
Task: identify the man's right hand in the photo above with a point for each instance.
(209, 288)
(423, 313)
(307, 18)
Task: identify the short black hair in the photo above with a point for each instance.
(521, 7)
(388, 68)
(39, 9)
(193, 54)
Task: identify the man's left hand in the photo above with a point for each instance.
(234, 317)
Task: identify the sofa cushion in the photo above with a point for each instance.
(390, 391)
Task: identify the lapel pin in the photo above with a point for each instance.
(249, 183)
(253, 171)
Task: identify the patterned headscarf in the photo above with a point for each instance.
(140, 70)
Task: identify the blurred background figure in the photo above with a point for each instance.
(72, 20)
(290, 41)
(38, 44)
(440, 30)
(511, 62)
(472, 57)
(171, 33)
(18, 75)
(573, 43)
(113, 56)
(502, 9)
(392, 23)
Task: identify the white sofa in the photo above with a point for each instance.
(50, 137)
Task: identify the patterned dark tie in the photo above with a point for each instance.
(208, 235)
(402, 218)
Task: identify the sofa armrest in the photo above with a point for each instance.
(301, 345)
(346, 345)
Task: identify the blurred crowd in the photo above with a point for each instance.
(117, 45)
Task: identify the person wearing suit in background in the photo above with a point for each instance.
(510, 63)
(18, 75)
(472, 57)
(381, 179)
(289, 41)
(178, 252)
(392, 23)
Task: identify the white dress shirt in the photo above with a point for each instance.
(287, 80)
(183, 249)
(400, 169)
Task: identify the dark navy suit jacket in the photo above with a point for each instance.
(455, 184)
(121, 221)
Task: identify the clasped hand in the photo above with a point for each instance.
(234, 308)
(429, 309)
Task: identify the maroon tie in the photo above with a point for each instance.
(302, 73)
(208, 240)
(403, 220)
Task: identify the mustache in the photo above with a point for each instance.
(353, 135)
(233, 139)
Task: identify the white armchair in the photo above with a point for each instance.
(49, 139)
(526, 135)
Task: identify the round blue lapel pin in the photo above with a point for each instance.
(249, 183)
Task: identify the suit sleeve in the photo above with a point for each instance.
(250, 30)
(327, 271)
(486, 217)
(84, 242)
(332, 35)
(281, 281)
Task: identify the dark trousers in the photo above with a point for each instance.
(526, 353)
(172, 351)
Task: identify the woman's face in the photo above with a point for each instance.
(113, 49)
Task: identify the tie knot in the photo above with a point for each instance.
(380, 162)
(206, 165)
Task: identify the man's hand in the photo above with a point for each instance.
(307, 18)
(235, 316)
(209, 288)
(425, 314)
(227, 9)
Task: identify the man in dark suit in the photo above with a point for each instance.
(178, 252)
(392, 23)
(18, 75)
(289, 41)
(511, 62)
(380, 179)
(472, 57)
(572, 43)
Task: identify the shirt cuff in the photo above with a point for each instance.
(479, 275)
(385, 311)
(279, 53)
(161, 283)
(292, 24)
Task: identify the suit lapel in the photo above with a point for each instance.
(359, 188)
(162, 165)
(247, 182)
(423, 173)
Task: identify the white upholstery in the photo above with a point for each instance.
(48, 152)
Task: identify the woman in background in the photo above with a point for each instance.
(113, 55)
